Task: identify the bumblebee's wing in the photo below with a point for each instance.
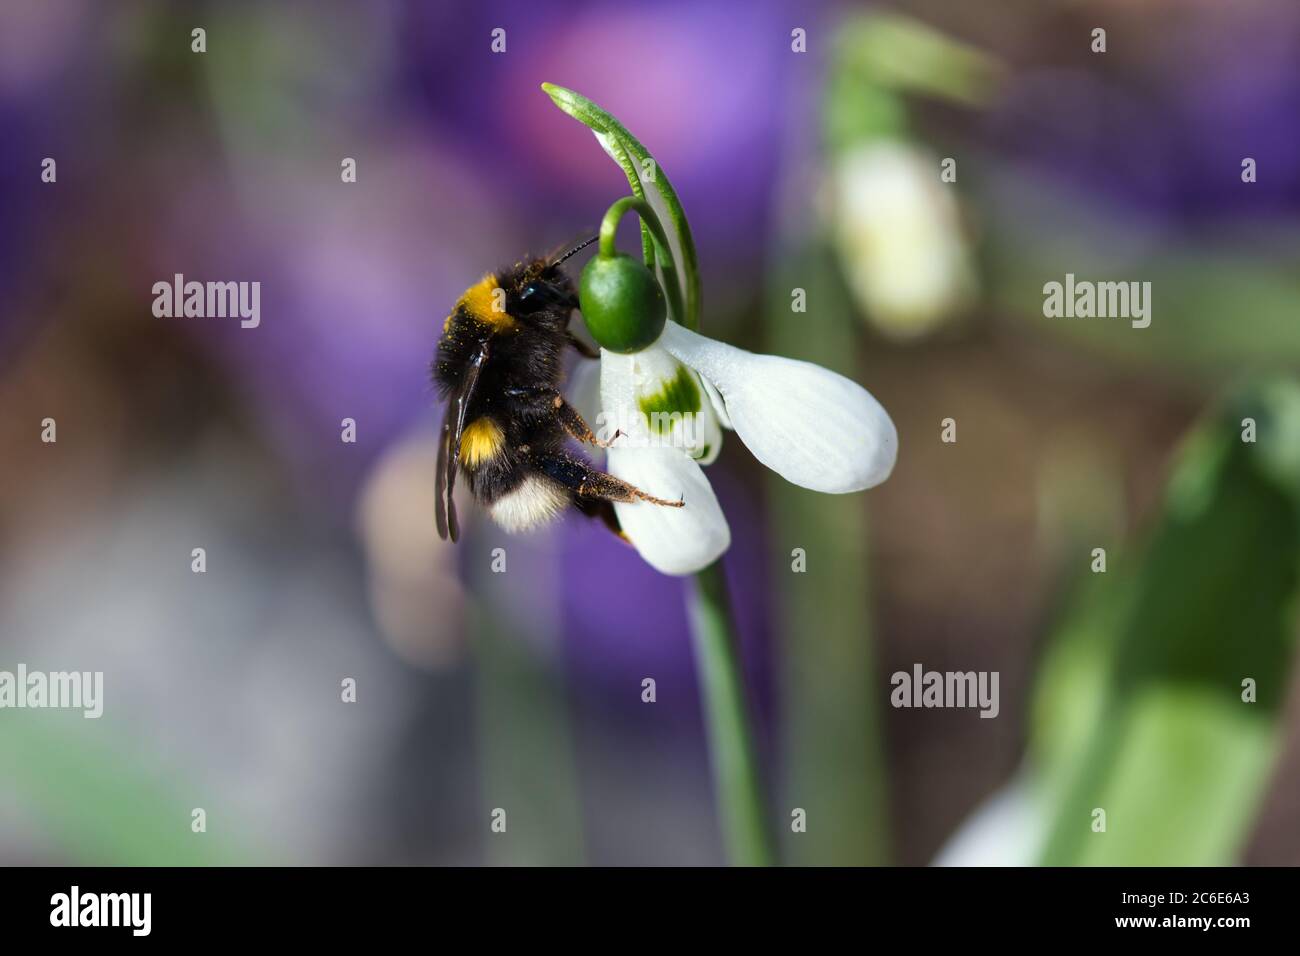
(453, 425)
(444, 498)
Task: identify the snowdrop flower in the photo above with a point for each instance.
(899, 234)
(669, 392)
(667, 405)
(666, 392)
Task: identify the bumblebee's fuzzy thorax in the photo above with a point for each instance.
(484, 302)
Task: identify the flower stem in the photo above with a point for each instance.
(609, 228)
(738, 789)
(736, 781)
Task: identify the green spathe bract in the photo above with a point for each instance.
(622, 303)
(675, 260)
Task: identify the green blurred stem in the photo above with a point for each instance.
(739, 792)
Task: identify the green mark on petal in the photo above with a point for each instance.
(678, 397)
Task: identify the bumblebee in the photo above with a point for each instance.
(499, 368)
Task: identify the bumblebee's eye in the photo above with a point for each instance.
(529, 300)
(537, 295)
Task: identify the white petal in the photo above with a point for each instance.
(672, 540)
(653, 379)
(705, 442)
(584, 395)
(715, 399)
(810, 425)
(617, 394)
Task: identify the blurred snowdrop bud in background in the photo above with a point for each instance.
(893, 209)
(898, 233)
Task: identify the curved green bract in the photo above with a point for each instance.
(631, 156)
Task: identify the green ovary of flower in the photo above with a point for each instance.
(622, 303)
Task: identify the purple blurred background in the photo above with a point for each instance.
(475, 692)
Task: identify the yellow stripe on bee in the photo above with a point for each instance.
(486, 302)
(480, 441)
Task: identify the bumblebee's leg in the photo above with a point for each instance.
(568, 415)
(587, 482)
(583, 349)
(575, 426)
(604, 510)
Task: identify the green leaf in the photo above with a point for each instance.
(880, 61)
(102, 802)
(648, 182)
(1139, 711)
(904, 54)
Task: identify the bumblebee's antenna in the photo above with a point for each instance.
(576, 249)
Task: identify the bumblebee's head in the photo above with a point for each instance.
(536, 286)
(541, 284)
